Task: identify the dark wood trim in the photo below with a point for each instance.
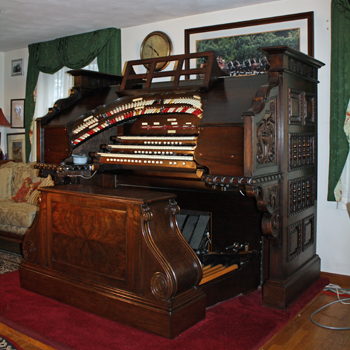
(309, 16)
(342, 281)
(280, 294)
(12, 237)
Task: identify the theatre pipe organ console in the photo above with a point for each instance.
(232, 158)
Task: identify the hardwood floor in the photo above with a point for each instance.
(25, 342)
(300, 334)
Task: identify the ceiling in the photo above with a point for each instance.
(23, 22)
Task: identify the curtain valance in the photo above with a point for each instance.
(74, 52)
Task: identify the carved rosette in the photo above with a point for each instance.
(266, 137)
(29, 251)
(160, 286)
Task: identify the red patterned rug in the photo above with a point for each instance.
(8, 344)
(241, 323)
(9, 261)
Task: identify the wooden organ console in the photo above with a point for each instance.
(195, 190)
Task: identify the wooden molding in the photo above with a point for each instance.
(341, 280)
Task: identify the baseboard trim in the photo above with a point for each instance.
(334, 278)
(280, 294)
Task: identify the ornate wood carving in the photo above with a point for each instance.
(268, 201)
(238, 182)
(163, 286)
(301, 151)
(29, 251)
(266, 136)
(76, 254)
(302, 68)
(301, 194)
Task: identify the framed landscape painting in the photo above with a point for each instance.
(239, 44)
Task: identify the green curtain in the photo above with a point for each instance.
(74, 52)
(340, 91)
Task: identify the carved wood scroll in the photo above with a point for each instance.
(267, 195)
(265, 189)
(163, 285)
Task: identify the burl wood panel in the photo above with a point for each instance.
(117, 253)
(83, 237)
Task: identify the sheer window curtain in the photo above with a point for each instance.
(342, 190)
(49, 89)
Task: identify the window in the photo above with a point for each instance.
(49, 89)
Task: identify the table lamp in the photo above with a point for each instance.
(3, 121)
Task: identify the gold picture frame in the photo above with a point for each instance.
(16, 147)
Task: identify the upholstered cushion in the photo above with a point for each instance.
(6, 183)
(17, 214)
(27, 188)
(21, 172)
(19, 230)
(43, 182)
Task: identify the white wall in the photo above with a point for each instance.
(13, 87)
(2, 65)
(2, 73)
(333, 226)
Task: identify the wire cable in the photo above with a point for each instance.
(88, 177)
(335, 289)
(329, 327)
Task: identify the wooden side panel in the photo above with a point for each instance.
(220, 149)
(113, 253)
(56, 145)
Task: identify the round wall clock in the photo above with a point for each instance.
(156, 44)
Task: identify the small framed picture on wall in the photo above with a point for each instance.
(17, 67)
(17, 113)
(16, 147)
